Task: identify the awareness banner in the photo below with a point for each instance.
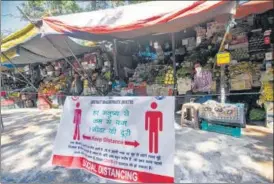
(125, 139)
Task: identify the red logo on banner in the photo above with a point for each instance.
(77, 121)
(154, 124)
(75, 98)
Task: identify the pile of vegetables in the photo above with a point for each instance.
(256, 114)
(160, 78)
(237, 69)
(169, 79)
(53, 87)
(267, 87)
(183, 72)
(267, 92)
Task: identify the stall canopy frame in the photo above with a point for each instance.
(53, 26)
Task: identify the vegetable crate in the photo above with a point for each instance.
(140, 90)
(222, 129)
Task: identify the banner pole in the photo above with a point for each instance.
(89, 79)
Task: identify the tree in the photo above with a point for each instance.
(99, 4)
(38, 9)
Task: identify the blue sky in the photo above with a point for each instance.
(12, 23)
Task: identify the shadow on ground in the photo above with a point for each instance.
(210, 157)
(27, 142)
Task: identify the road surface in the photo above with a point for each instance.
(27, 142)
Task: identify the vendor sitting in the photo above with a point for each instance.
(201, 84)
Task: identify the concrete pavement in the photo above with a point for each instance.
(27, 142)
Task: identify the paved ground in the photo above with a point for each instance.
(26, 146)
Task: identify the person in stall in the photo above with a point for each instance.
(201, 85)
(77, 85)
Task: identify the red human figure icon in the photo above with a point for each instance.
(153, 124)
(77, 121)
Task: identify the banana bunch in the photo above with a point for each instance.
(169, 79)
(267, 92)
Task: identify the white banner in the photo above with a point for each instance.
(127, 139)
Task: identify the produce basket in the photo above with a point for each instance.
(183, 85)
(166, 91)
(153, 90)
(238, 85)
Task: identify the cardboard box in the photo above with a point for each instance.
(240, 84)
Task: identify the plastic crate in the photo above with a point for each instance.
(222, 129)
(203, 99)
(140, 90)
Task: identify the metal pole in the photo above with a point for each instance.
(77, 60)
(64, 57)
(19, 71)
(115, 63)
(222, 81)
(55, 46)
(2, 124)
(174, 63)
(223, 94)
(89, 79)
(3, 73)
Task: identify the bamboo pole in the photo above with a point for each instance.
(89, 79)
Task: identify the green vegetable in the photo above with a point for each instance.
(256, 114)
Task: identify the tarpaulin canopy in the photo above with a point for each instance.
(136, 20)
(126, 22)
(253, 7)
(27, 46)
(19, 37)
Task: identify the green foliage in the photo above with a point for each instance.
(37, 9)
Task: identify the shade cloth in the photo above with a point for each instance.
(254, 7)
(136, 20)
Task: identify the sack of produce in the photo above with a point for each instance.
(183, 85)
(225, 113)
